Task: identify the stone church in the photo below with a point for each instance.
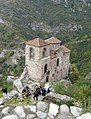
(47, 60)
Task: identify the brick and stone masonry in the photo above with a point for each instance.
(47, 60)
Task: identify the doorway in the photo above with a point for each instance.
(47, 79)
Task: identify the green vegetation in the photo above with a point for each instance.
(74, 73)
(80, 91)
(59, 88)
(7, 69)
(17, 101)
(21, 14)
(81, 54)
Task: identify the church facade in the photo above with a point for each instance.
(47, 60)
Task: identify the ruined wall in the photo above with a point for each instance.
(36, 66)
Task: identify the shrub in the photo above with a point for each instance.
(80, 90)
(59, 88)
(74, 73)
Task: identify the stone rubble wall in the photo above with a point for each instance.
(43, 110)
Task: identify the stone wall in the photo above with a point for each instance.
(36, 66)
(43, 110)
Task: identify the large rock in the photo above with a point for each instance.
(31, 116)
(10, 117)
(58, 97)
(5, 110)
(76, 111)
(50, 116)
(32, 108)
(64, 109)
(65, 116)
(24, 74)
(85, 116)
(53, 109)
(41, 115)
(20, 111)
(18, 85)
(42, 106)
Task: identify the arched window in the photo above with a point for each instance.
(44, 52)
(45, 68)
(58, 62)
(31, 53)
(47, 79)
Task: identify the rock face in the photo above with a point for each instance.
(20, 111)
(18, 85)
(10, 117)
(76, 111)
(41, 115)
(64, 109)
(65, 113)
(5, 110)
(31, 116)
(65, 116)
(53, 109)
(42, 106)
(85, 116)
(58, 98)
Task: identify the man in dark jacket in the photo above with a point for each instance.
(4, 90)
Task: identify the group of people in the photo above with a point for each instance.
(26, 92)
(40, 91)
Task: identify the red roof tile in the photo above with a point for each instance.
(53, 40)
(37, 42)
(64, 49)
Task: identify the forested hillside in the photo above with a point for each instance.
(69, 20)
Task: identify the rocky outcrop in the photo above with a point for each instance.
(58, 97)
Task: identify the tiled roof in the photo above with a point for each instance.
(53, 40)
(64, 49)
(37, 42)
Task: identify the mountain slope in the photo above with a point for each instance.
(47, 17)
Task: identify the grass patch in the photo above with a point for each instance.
(17, 101)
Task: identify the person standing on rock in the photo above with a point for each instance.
(35, 95)
(43, 92)
(4, 90)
